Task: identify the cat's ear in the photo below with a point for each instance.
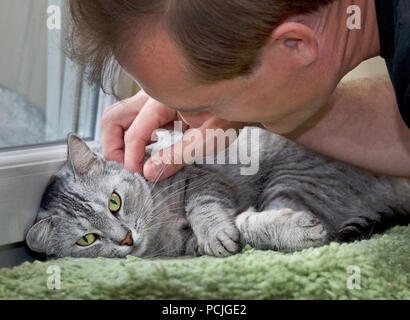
(38, 235)
(81, 157)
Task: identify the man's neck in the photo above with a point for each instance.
(342, 47)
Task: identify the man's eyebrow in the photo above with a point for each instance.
(189, 109)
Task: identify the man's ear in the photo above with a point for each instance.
(297, 40)
(81, 157)
(38, 235)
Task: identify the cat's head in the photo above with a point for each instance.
(91, 208)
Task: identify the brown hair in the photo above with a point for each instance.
(220, 39)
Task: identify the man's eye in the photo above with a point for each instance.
(114, 203)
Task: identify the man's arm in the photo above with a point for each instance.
(361, 125)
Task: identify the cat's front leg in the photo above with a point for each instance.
(211, 214)
(214, 228)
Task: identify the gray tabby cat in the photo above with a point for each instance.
(297, 200)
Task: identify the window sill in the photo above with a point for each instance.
(24, 174)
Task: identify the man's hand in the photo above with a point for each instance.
(127, 127)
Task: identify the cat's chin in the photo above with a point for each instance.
(138, 249)
(137, 252)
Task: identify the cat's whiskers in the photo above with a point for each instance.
(159, 224)
(156, 213)
(180, 188)
(159, 174)
(163, 210)
(202, 183)
(175, 182)
(153, 198)
(153, 217)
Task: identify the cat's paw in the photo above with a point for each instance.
(283, 229)
(312, 232)
(221, 242)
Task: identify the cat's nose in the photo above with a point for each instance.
(128, 240)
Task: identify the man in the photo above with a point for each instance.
(273, 63)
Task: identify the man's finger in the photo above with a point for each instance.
(152, 117)
(115, 121)
(196, 143)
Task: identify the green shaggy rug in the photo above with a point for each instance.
(378, 268)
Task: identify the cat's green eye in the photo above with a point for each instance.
(114, 204)
(87, 240)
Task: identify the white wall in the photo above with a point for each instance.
(374, 67)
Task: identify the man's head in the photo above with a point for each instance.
(233, 58)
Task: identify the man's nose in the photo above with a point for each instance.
(128, 240)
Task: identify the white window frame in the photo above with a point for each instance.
(24, 174)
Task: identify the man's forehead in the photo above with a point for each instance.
(160, 70)
(156, 66)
